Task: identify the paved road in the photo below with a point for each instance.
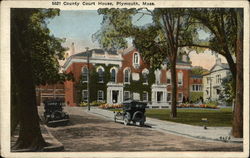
(89, 132)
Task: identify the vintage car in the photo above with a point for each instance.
(54, 114)
(133, 111)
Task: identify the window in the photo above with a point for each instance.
(196, 87)
(145, 78)
(180, 97)
(113, 75)
(180, 78)
(136, 59)
(169, 97)
(126, 95)
(100, 95)
(100, 75)
(168, 77)
(218, 78)
(85, 74)
(85, 95)
(145, 96)
(126, 76)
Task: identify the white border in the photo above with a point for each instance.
(5, 80)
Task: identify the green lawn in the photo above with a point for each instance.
(221, 117)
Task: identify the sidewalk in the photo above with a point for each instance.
(211, 133)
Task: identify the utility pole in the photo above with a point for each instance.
(87, 51)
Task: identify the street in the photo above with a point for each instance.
(87, 132)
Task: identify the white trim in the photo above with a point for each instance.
(129, 95)
(100, 67)
(105, 61)
(136, 65)
(116, 71)
(181, 73)
(144, 92)
(129, 75)
(83, 95)
(84, 67)
(98, 95)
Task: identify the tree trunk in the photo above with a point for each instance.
(238, 110)
(173, 113)
(29, 134)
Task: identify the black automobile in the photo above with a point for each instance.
(133, 111)
(54, 114)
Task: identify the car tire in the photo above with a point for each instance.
(126, 121)
(142, 123)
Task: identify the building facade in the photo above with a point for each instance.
(196, 88)
(118, 76)
(212, 81)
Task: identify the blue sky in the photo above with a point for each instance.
(79, 25)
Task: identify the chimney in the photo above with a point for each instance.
(218, 60)
(72, 48)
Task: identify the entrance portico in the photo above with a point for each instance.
(114, 93)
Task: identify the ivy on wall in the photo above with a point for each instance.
(139, 87)
(195, 96)
(94, 85)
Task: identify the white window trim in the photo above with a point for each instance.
(136, 65)
(145, 92)
(181, 78)
(129, 75)
(116, 70)
(97, 70)
(98, 95)
(83, 95)
(129, 95)
(180, 100)
(87, 74)
(145, 71)
(168, 74)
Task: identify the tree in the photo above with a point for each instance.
(225, 26)
(227, 94)
(198, 70)
(157, 41)
(34, 54)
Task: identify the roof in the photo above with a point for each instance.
(97, 51)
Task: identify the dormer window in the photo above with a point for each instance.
(136, 60)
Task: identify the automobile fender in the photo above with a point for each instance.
(136, 114)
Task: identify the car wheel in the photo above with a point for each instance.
(142, 123)
(126, 121)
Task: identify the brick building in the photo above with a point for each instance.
(118, 76)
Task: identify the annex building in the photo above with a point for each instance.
(116, 76)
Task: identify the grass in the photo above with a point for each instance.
(221, 117)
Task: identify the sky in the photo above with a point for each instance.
(78, 26)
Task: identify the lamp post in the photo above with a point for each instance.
(87, 51)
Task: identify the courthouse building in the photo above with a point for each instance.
(118, 76)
